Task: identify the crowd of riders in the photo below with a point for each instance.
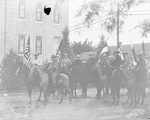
(118, 62)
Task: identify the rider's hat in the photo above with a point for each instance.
(125, 53)
(116, 52)
(91, 54)
(78, 56)
(141, 53)
(104, 55)
(52, 56)
(36, 55)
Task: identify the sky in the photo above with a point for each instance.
(92, 34)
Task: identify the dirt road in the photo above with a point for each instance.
(16, 107)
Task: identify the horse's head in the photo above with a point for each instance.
(22, 68)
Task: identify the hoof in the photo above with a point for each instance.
(60, 102)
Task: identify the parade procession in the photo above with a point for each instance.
(74, 60)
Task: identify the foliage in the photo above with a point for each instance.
(79, 47)
(145, 27)
(9, 66)
(96, 8)
(64, 47)
(101, 44)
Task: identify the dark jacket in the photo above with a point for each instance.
(141, 65)
(141, 70)
(117, 62)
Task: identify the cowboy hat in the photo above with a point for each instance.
(116, 52)
(125, 53)
(78, 56)
(91, 54)
(37, 54)
(52, 56)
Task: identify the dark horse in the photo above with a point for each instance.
(93, 75)
(78, 75)
(117, 81)
(35, 77)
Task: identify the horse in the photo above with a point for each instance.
(34, 78)
(93, 76)
(131, 85)
(117, 81)
(62, 83)
(106, 73)
(77, 75)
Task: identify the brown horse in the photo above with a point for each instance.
(93, 76)
(62, 83)
(78, 75)
(34, 78)
(132, 87)
(117, 81)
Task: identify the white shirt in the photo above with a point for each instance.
(38, 61)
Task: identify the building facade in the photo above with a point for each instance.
(25, 19)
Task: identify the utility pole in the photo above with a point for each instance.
(118, 12)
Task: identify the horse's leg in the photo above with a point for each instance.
(128, 96)
(98, 90)
(45, 95)
(131, 97)
(75, 89)
(29, 90)
(118, 95)
(40, 89)
(143, 95)
(113, 95)
(62, 94)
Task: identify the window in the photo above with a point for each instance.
(22, 9)
(21, 44)
(56, 40)
(39, 12)
(38, 47)
(57, 14)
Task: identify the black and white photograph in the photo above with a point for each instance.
(74, 59)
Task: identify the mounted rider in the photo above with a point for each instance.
(37, 61)
(104, 63)
(65, 64)
(141, 68)
(126, 61)
(78, 61)
(118, 61)
(90, 61)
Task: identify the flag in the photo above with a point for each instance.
(134, 56)
(121, 55)
(104, 49)
(27, 54)
(143, 48)
(58, 53)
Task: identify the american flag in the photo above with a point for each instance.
(58, 53)
(27, 54)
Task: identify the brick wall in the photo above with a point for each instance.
(47, 29)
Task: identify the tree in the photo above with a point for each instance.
(64, 48)
(101, 44)
(9, 66)
(79, 47)
(96, 8)
(145, 27)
